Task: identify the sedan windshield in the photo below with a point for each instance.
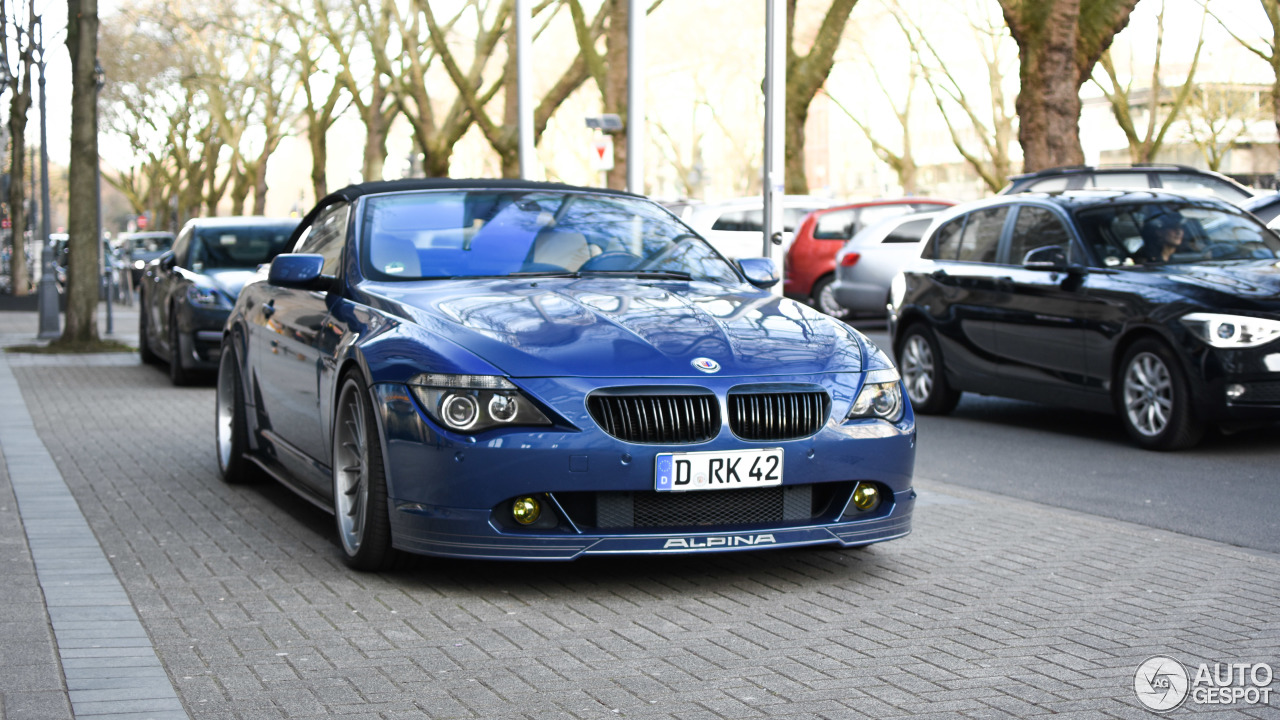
(454, 234)
(1174, 233)
(220, 248)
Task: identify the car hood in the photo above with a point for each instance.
(616, 327)
(231, 280)
(1255, 282)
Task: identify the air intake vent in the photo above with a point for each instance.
(774, 416)
(657, 419)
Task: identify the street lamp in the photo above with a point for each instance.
(99, 80)
(48, 291)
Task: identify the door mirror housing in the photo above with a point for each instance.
(760, 272)
(168, 261)
(296, 270)
(1051, 258)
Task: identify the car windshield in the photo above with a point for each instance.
(220, 248)
(499, 233)
(153, 244)
(1173, 233)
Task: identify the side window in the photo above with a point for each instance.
(945, 240)
(748, 220)
(907, 232)
(1036, 227)
(326, 236)
(834, 225)
(981, 236)
(182, 247)
(875, 213)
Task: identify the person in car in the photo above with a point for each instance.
(1162, 237)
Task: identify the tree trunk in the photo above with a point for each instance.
(805, 75)
(319, 158)
(85, 244)
(17, 196)
(375, 145)
(615, 90)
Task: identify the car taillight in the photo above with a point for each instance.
(850, 259)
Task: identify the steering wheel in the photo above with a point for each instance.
(612, 260)
(1218, 250)
(676, 242)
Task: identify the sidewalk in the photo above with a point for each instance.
(992, 608)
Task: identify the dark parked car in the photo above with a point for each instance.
(140, 248)
(531, 371)
(1163, 308)
(1265, 207)
(810, 269)
(186, 294)
(1174, 178)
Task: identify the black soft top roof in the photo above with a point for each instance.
(352, 192)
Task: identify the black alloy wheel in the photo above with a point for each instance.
(920, 362)
(1153, 398)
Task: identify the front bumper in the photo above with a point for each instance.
(451, 495)
(1237, 385)
(200, 336)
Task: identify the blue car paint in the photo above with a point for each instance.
(558, 339)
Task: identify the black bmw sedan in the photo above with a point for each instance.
(186, 294)
(1162, 308)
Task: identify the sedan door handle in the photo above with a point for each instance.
(938, 274)
(269, 309)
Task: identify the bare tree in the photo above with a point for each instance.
(1162, 111)
(81, 325)
(805, 75)
(1265, 48)
(1219, 116)
(19, 104)
(989, 120)
(1059, 42)
(901, 162)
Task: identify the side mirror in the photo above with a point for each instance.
(168, 261)
(296, 270)
(1051, 258)
(760, 272)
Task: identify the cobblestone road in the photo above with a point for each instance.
(991, 608)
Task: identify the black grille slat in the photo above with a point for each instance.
(777, 416)
(656, 419)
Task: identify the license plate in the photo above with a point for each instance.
(718, 470)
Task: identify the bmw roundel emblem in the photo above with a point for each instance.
(706, 365)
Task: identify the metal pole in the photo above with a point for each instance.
(635, 96)
(48, 291)
(775, 83)
(524, 87)
(99, 78)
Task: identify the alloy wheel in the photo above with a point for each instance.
(1148, 394)
(351, 471)
(918, 368)
(827, 302)
(225, 413)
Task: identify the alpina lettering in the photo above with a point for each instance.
(711, 542)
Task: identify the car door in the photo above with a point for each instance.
(965, 296)
(164, 292)
(286, 337)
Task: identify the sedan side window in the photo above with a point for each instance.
(945, 240)
(326, 237)
(1036, 227)
(981, 236)
(835, 225)
(182, 247)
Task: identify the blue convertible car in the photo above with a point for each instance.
(515, 370)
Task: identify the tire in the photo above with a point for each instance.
(921, 365)
(144, 344)
(1153, 398)
(231, 429)
(824, 298)
(178, 374)
(359, 481)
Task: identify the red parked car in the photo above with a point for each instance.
(811, 260)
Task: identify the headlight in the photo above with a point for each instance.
(208, 297)
(139, 264)
(471, 403)
(881, 397)
(1231, 331)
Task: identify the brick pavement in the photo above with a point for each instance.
(992, 608)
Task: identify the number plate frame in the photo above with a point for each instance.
(717, 470)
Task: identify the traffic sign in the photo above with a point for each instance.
(602, 153)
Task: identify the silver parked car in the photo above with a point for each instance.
(872, 257)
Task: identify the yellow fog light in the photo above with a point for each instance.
(865, 496)
(526, 510)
